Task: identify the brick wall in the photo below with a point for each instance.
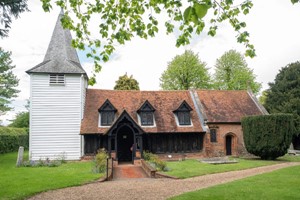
(218, 148)
(211, 149)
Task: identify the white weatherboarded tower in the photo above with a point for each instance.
(57, 98)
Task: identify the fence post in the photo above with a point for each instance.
(112, 168)
(107, 168)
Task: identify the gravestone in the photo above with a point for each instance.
(291, 147)
(20, 156)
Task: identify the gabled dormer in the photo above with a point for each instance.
(183, 114)
(146, 114)
(107, 114)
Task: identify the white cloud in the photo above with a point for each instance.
(273, 26)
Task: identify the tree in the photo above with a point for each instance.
(21, 120)
(8, 81)
(284, 95)
(185, 72)
(123, 20)
(268, 136)
(232, 73)
(263, 97)
(126, 83)
(10, 8)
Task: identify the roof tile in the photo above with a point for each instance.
(227, 105)
(164, 103)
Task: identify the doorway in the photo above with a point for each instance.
(125, 140)
(228, 145)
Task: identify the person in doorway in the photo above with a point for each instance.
(131, 148)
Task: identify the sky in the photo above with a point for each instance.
(273, 26)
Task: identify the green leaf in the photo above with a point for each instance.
(200, 27)
(92, 80)
(200, 10)
(105, 58)
(246, 11)
(46, 5)
(251, 53)
(194, 19)
(97, 67)
(243, 24)
(188, 13)
(178, 18)
(294, 1)
(212, 31)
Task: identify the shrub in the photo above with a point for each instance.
(100, 161)
(268, 136)
(154, 159)
(12, 138)
(147, 155)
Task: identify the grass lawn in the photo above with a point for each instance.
(281, 184)
(191, 168)
(22, 182)
(289, 158)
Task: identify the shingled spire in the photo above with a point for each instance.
(61, 57)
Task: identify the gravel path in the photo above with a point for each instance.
(128, 189)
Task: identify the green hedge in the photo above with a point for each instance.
(268, 136)
(12, 138)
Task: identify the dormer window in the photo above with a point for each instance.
(183, 114)
(57, 79)
(107, 114)
(146, 114)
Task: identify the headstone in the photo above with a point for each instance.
(20, 156)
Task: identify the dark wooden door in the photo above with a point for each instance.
(124, 143)
(228, 145)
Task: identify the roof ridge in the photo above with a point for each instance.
(162, 91)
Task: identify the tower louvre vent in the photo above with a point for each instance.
(57, 79)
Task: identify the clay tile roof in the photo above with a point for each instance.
(227, 106)
(164, 103)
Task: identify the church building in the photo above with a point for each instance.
(69, 119)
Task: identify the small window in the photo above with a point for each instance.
(146, 113)
(107, 118)
(107, 114)
(183, 114)
(184, 118)
(213, 135)
(57, 79)
(146, 118)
